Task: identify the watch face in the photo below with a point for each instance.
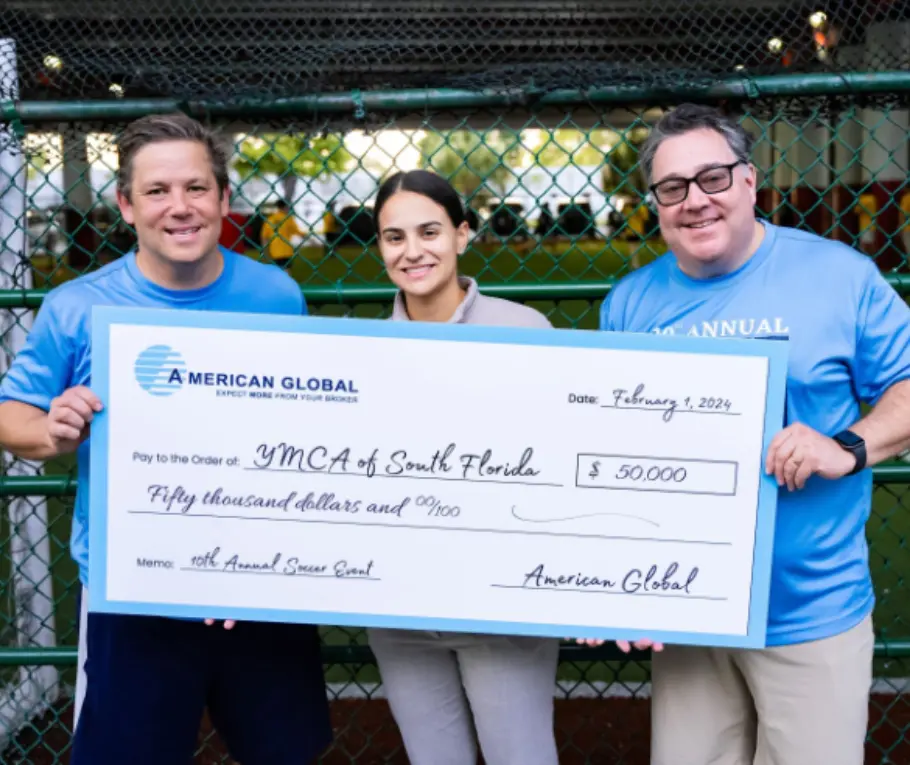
(848, 439)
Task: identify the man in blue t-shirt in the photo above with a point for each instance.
(804, 699)
(144, 682)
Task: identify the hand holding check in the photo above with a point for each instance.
(799, 452)
(70, 417)
(624, 645)
(228, 623)
(795, 454)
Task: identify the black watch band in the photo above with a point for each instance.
(848, 440)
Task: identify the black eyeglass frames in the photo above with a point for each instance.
(711, 180)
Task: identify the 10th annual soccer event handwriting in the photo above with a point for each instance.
(346, 472)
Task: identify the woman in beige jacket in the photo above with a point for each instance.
(448, 689)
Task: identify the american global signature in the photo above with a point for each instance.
(669, 579)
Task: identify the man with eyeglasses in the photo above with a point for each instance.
(804, 698)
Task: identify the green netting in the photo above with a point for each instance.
(535, 111)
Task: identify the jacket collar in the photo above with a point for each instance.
(400, 313)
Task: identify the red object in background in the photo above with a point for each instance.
(235, 234)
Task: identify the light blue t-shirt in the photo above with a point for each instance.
(849, 335)
(57, 353)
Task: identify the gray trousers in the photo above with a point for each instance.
(441, 686)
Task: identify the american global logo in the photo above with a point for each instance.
(155, 370)
(161, 370)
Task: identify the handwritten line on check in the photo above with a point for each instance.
(583, 515)
(295, 575)
(608, 592)
(675, 411)
(411, 477)
(615, 537)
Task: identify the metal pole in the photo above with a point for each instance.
(32, 601)
(738, 88)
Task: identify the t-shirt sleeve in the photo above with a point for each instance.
(43, 367)
(883, 338)
(296, 297)
(288, 297)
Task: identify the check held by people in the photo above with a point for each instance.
(423, 476)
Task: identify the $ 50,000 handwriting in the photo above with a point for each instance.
(641, 472)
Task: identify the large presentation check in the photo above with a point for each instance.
(428, 476)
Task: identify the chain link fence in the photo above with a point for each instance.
(535, 111)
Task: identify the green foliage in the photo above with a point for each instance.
(478, 165)
(622, 173)
(482, 164)
(291, 156)
(294, 154)
(566, 146)
(36, 160)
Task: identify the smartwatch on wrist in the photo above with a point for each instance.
(848, 440)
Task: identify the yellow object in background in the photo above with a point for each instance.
(638, 219)
(866, 209)
(905, 209)
(279, 232)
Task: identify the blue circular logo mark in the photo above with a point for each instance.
(160, 370)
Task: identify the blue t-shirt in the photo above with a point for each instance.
(849, 336)
(57, 352)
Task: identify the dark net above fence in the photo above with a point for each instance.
(259, 49)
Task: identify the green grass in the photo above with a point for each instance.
(552, 261)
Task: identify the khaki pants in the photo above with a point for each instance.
(803, 704)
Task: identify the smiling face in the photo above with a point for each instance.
(175, 205)
(420, 245)
(708, 233)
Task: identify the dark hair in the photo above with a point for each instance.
(688, 117)
(156, 128)
(425, 183)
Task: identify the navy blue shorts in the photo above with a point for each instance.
(148, 681)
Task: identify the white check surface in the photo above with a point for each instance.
(619, 491)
